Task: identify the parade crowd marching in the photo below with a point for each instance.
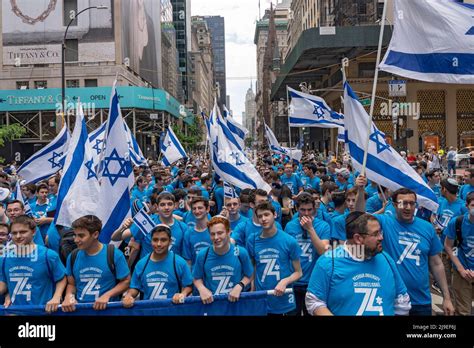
(88, 219)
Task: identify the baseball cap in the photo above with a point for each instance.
(344, 172)
(4, 193)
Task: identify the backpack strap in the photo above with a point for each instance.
(73, 259)
(110, 259)
(176, 273)
(458, 225)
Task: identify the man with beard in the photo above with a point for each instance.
(222, 268)
(357, 278)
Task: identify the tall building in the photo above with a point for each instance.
(216, 25)
(182, 25)
(169, 51)
(201, 69)
(123, 42)
(250, 115)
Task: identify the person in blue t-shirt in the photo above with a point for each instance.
(312, 235)
(197, 238)
(378, 203)
(310, 180)
(139, 191)
(223, 268)
(41, 208)
(162, 206)
(415, 246)
(468, 186)
(30, 273)
(342, 181)
(338, 231)
(276, 257)
(97, 273)
(161, 274)
(434, 178)
(15, 209)
(357, 278)
(232, 212)
(291, 180)
(462, 257)
(245, 209)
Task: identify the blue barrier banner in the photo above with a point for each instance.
(250, 304)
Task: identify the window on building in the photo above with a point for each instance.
(72, 84)
(41, 84)
(22, 85)
(70, 9)
(72, 51)
(90, 83)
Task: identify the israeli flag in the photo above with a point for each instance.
(385, 166)
(143, 221)
(19, 196)
(222, 122)
(115, 174)
(171, 149)
(79, 186)
(233, 166)
(136, 154)
(341, 138)
(274, 145)
(229, 191)
(433, 40)
(47, 161)
(307, 110)
(239, 131)
(96, 144)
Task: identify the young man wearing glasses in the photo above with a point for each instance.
(357, 278)
(415, 247)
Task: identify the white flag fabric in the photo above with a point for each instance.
(96, 144)
(19, 196)
(229, 191)
(433, 40)
(239, 131)
(385, 166)
(47, 161)
(144, 222)
(171, 149)
(115, 174)
(274, 145)
(233, 166)
(307, 110)
(79, 187)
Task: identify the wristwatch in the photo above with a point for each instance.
(242, 285)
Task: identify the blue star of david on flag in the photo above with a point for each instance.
(98, 146)
(236, 156)
(318, 111)
(381, 144)
(165, 146)
(90, 169)
(55, 163)
(122, 171)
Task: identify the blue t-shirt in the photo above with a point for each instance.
(190, 220)
(220, 273)
(219, 197)
(31, 279)
(53, 237)
(371, 190)
(351, 287)
(277, 207)
(142, 196)
(310, 183)
(309, 255)
(235, 223)
(178, 229)
(293, 182)
(374, 204)
(273, 259)
(447, 212)
(338, 230)
(93, 276)
(158, 279)
(464, 191)
(244, 231)
(344, 186)
(39, 211)
(194, 242)
(465, 251)
(410, 246)
(248, 214)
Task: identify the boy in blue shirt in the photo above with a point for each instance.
(276, 257)
(232, 212)
(223, 268)
(30, 273)
(291, 180)
(197, 238)
(462, 257)
(357, 278)
(468, 186)
(312, 235)
(96, 272)
(161, 274)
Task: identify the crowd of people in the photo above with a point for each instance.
(345, 245)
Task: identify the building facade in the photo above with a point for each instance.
(216, 25)
(250, 118)
(169, 50)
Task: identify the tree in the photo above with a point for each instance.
(194, 137)
(9, 133)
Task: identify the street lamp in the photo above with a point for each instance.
(63, 51)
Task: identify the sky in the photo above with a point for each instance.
(241, 62)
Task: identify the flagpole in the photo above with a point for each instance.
(289, 127)
(374, 87)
